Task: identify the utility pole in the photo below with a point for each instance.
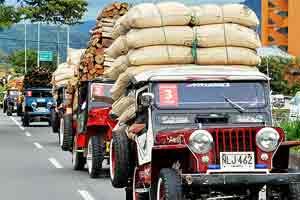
(38, 53)
(68, 36)
(57, 56)
(25, 46)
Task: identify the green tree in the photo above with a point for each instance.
(49, 11)
(277, 66)
(17, 60)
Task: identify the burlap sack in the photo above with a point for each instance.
(117, 67)
(175, 14)
(74, 56)
(153, 15)
(167, 55)
(128, 114)
(228, 13)
(205, 36)
(122, 104)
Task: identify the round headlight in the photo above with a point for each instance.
(201, 141)
(34, 104)
(267, 139)
(49, 104)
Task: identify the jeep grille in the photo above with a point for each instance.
(233, 140)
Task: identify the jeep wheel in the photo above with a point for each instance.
(294, 191)
(119, 164)
(168, 186)
(9, 113)
(26, 120)
(54, 121)
(78, 160)
(95, 155)
(66, 133)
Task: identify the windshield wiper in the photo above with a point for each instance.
(235, 105)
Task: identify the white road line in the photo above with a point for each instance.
(55, 163)
(28, 134)
(37, 145)
(85, 195)
(17, 123)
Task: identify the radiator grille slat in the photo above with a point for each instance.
(233, 140)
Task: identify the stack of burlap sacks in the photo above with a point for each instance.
(93, 61)
(66, 73)
(171, 34)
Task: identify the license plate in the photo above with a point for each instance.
(237, 161)
(41, 100)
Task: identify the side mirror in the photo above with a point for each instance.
(147, 99)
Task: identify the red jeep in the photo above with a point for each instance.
(202, 133)
(87, 131)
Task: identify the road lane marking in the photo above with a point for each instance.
(28, 134)
(85, 195)
(17, 123)
(55, 163)
(37, 145)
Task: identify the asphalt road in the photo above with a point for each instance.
(32, 167)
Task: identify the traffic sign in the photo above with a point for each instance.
(46, 56)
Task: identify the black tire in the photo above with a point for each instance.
(54, 121)
(9, 112)
(96, 153)
(78, 159)
(4, 106)
(26, 120)
(19, 110)
(120, 166)
(67, 133)
(294, 191)
(171, 182)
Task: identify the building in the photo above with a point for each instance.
(279, 24)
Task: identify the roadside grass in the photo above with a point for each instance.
(292, 132)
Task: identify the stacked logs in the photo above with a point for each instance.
(38, 77)
(93, 61)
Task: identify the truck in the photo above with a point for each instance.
(86, 127)
(37, 99)
(202, 132)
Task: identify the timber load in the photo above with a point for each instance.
(94, 61)
(38, 78)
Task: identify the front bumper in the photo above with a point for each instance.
(240, 179)
(40, 116)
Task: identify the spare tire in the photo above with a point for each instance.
(120, 166)
(66, 133)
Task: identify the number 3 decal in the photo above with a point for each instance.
(168, 95)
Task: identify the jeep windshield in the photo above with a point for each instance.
(210, 95)
(184, 105)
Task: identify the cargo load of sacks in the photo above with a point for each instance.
(67, 71)
(173, 34)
